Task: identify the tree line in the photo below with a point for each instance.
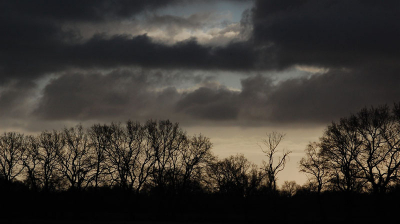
(359, 153)
(154, 157)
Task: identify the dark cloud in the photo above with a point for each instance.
(35, 45)
(118, 94)
(78, 11)
(210, 104)
(126, 94)
(333, 95)
(141, 51)
(329, 33)
(320, 33)
(319, 99)
(14, 99)
(100, 52)
(35, 40)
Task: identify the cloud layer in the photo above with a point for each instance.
(52, 69)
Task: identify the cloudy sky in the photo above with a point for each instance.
(231, 70)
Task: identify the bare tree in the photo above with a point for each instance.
(194, 157)
(315, 165)
(12, 150)
(379, 156)
(31, 163)
(231, 175)
(50, 144)
(75, 159)
(98, 144)
(273, 165)
(364, 149)
(130, 159)
(341, 145)
(118, 156)
(143, 156)
(167, 140)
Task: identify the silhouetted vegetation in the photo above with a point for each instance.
(156, 172)
(360, 153)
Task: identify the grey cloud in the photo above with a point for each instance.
(214, 102)
(141, 51)
(329, 33)
(333, 95)
(255, 88)
(86, 96)
(33, 58)
(126, 94)
(210, 104)
(75, 10)
(35, 41)
(15, 99)
(121, 51)
(321, 33)
(319, 99)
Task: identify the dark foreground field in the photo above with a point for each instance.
(120, 207)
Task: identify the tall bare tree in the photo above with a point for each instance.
(50, 144)
(128, 156)
(341, 145)
(363, 150)
(143, 155)
(194, 157)
(273, 165)
(118, 157)
(75, 159)
(379, 157)
(98, 144)
(166, 139)
(31, 162)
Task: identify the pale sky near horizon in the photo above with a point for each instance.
(232, 70)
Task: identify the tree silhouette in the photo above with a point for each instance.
(315, 165)
(75, 162)
(98, 140)
(119, 156)
(273, 165)
(12, 151)
(194, 157)
(143, 155)
(379, 157)
(167, 140)
(31, 161)
(341, 145)
(233, 175)
(362, 150)
(50, 144)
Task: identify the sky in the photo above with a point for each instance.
(230, 70)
